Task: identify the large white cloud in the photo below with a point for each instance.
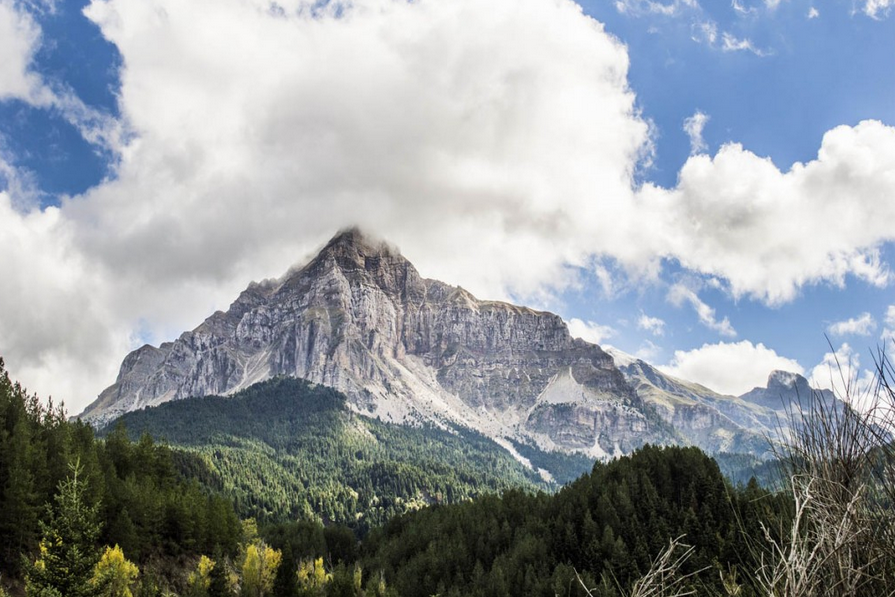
(57, 333)
(456, 131)
(768, 232)
(729, 367)
(495, 145)
(508, 132)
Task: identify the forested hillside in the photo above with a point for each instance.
(607, 526)
(81, 517)
(142, 504)
(286, 449)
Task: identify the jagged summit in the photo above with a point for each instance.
(785, 390)
(353, 238)
(352, 248)
(786, 379)
(360, 318)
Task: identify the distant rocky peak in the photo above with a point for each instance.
(621, 358)
(786, 379)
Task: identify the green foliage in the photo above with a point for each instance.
(312, 577)
(740, 468)
(220, 581)
(135, 490)
(286, 449)
(607, 526)
(68, 552)
(565, 468)
(33, 440)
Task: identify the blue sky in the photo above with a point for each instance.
(626, 164)
(812, 66)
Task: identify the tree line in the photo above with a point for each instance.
(82, 516)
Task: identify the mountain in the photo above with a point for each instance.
(359, 318)
(722, 423)
(701, 417)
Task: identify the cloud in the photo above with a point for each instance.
(454, 132)
(679, 294)
(862, 325)
(55, 335)
(878, 9)
(256, 134)
(704, 32)
(646, 7)
(19, 40)
(730, 43)
(765, 232)
(741, 9)
(729, 368)
(888, 334)
(654, 325)
(841, 372)
(590, 331)
(648, 351)
(693, 126)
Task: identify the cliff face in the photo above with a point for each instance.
(360, 318)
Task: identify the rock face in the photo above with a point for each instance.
(720, 423)
(360, 318)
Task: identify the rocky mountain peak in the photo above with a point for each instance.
(358, 317)
(353, 243)
(358, 260)
(785, 379)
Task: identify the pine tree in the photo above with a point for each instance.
(68, 551)
(219, 580)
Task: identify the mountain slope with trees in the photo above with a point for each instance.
(286, 449)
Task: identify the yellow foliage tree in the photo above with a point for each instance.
(259, 569)
(312, 575)
(114, 574)
(200, 578)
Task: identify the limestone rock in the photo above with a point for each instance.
(361, 319)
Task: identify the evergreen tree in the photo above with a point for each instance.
(68, 551)
(218, 578)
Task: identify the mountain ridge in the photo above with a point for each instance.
(359, 318)
(749, 423)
